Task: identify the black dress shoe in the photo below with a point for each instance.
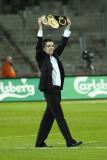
(43, 144)
(75, 144)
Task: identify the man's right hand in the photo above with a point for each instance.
(40, 22)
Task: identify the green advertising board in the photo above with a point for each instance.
(20, 89)
(26, 89)
(85, 87)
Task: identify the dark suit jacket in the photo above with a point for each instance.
(45, 65)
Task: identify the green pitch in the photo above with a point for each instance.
(19, 123)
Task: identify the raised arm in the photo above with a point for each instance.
(65, 38)
(39, 48)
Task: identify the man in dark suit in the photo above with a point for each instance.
(51, 84)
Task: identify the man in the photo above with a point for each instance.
(7, 70)
(88, 56)
(51, 83)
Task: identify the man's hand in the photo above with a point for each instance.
(68, 24)
(40, 23)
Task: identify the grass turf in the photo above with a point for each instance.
(19, 124)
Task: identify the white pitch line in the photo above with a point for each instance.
(9, 137)
(83, 142)
(89, 142)
(54, 147)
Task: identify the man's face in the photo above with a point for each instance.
(49, 48)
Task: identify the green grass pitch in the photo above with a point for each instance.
(19, 124)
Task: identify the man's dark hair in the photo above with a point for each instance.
(45, 41)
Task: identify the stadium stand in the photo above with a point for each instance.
(88, 31)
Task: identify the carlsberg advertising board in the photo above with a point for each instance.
(22, 89)
(90, 87)
(26, 89)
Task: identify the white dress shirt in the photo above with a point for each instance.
(56, 76)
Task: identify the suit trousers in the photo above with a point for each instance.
(53, 111)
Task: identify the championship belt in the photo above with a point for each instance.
(54, 21)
